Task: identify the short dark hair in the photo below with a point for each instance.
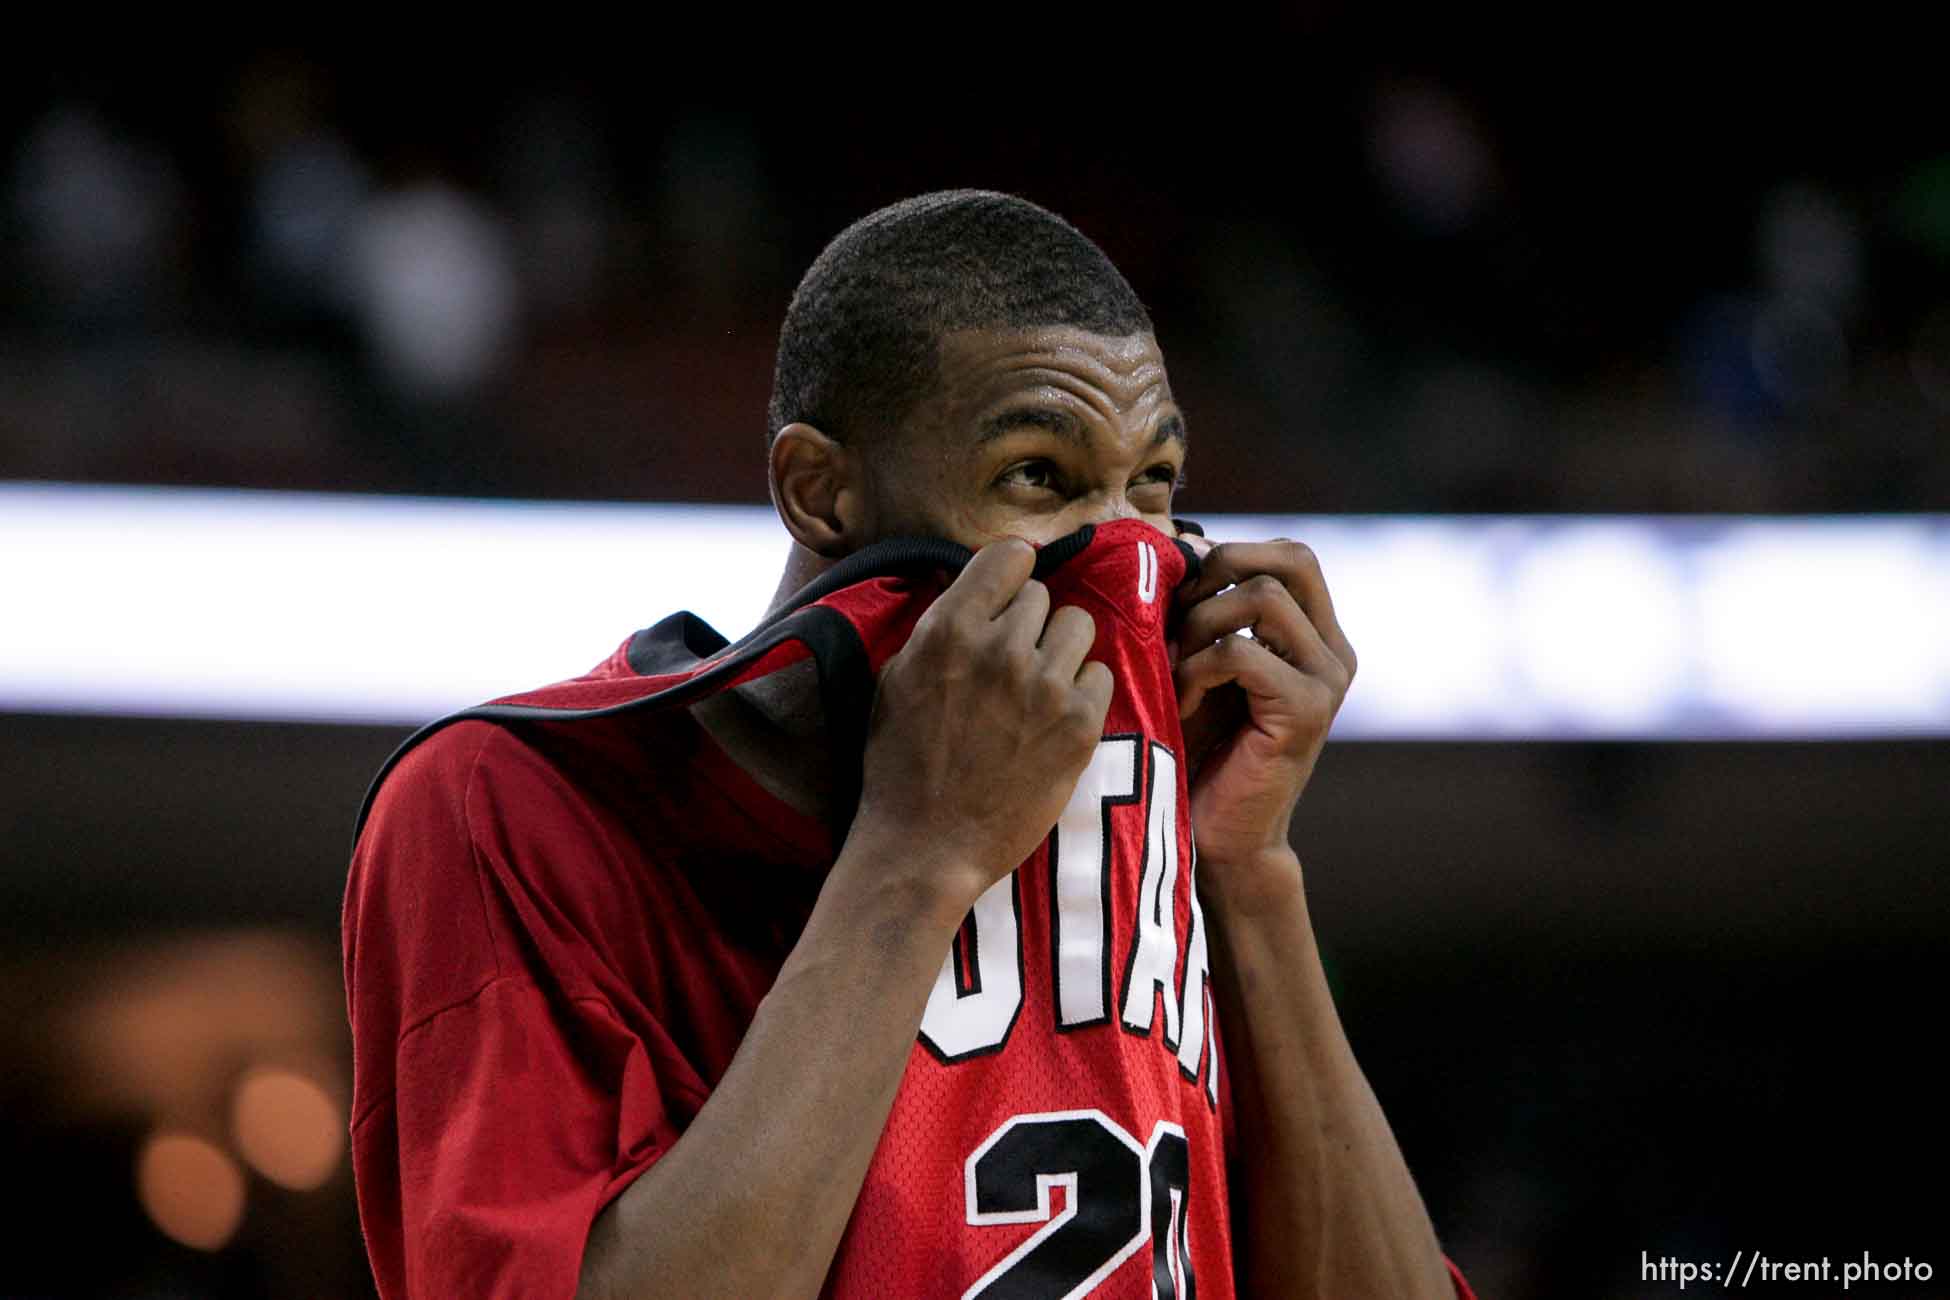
(859, 346)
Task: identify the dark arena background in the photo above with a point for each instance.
(1616, 400)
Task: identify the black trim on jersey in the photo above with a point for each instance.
(1192, 562)
(1136, 796)
(1054, 555)
(675, 644)
(1211, 1058)
(1195, 924)
(1166, 902)
(1169, 1173)
(679, 642)
(967, 952)
(846, 684)
(1022, 986)
(1137, 914)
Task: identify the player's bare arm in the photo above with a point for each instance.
(1325, 1205)
(981, 726)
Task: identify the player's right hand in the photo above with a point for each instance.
(982, 724)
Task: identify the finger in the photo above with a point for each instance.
(1023, 619)
(1263, 606)
(1219, 715)
(1270, 682)
(1096, 685)
(1067, 639)
(989, 582)
(1296, 567)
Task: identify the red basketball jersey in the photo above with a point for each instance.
(1062, 1127)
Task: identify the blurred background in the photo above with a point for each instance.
(1617, 996)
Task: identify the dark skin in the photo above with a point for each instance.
(1027, 436)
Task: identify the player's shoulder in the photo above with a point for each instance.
(469, 760)
(424, 786)
(459, 795)
(445, 755)
(552, 761)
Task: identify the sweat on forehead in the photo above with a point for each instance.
(860, 342)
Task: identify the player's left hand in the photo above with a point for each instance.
(1256, 709)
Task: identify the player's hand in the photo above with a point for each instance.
(982, 724)
(1256, 710)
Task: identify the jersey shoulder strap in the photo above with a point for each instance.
(835, 620)
(682, 659)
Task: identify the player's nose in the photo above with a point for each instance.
(1106, 506)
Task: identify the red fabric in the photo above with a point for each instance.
(553, 947)
(1111, 1081)
(557, 933)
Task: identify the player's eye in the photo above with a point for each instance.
(1163, 478)
(1037, 475)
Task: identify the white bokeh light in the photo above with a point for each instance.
(1825, 624)
(1599, 627)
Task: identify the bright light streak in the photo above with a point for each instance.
(1827, 625)
(272, 605)
(356, 608)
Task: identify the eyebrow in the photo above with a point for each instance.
(1065, 426)
(1048, 418)
(1172, 429)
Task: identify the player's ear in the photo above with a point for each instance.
(819, 490)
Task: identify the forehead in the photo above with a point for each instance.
(1110, 376)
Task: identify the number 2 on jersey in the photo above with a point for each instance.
(1116, 1195)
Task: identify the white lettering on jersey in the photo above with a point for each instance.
(1154, 939)
(978, 992)
(1194, 996)
(962, 1020)
(1080, 882)
(1147, 583)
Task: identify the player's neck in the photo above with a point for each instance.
(775, 727)
(775, 733)
(801, 567)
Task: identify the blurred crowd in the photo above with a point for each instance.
(1464, 279)
(1379, 289)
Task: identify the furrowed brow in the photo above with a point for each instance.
(1051, 420)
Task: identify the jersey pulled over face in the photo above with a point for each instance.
(563, 915)
(1059, 1129)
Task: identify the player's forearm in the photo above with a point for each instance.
(1326, 1204)
(753, 1199)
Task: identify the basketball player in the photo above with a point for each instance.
(655, 1003)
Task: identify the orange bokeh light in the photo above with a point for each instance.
(287, 1127)
(191, 1189)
